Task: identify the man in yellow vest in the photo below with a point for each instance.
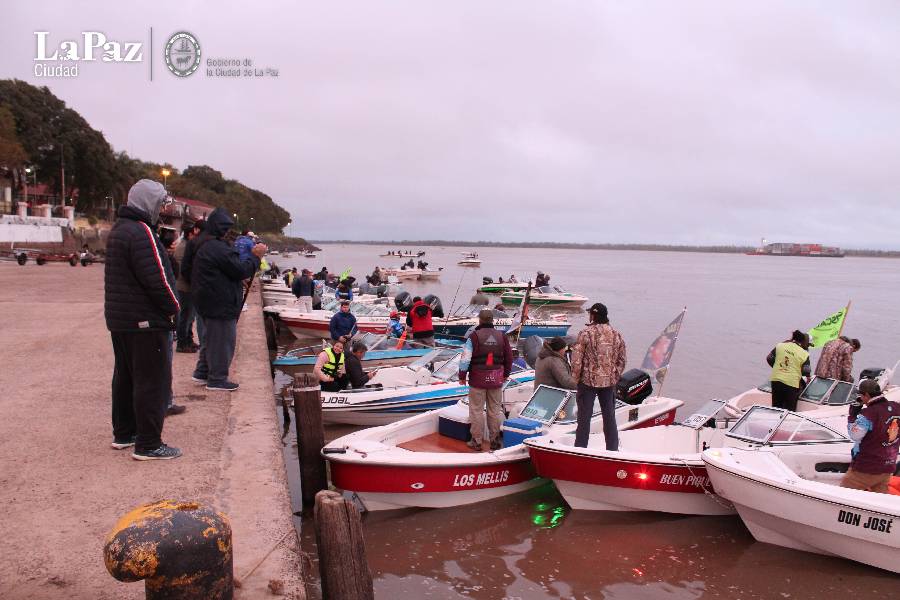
(330, 369)
(790, 363)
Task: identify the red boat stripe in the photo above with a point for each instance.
(358, 477)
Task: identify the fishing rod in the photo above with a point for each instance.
(453, 304)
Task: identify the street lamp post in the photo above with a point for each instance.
(237, 223)
(165, 174)
(289, 229)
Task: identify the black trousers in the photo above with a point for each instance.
(784, 396)
(142, 380)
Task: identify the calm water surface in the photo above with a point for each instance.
(532, 545)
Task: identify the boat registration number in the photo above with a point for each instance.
(873, 523)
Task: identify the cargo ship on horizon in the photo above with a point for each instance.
(791, 249)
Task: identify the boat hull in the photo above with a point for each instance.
(547, 330)
(812, 517)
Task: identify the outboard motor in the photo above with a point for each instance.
(634, 386)
(403, 301)
(871, 373)
(486, 280)
(437, 309)
(365, 288)
(531, 347)
(382, 290)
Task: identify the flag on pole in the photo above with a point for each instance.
(829, 329)
(522, 315)
(659, 354)
(344, 274)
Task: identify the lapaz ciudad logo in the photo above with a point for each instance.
(182, 53)
(61, 58)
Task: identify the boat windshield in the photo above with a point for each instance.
(434, 360)
(829, 391)
(449, 371)
(767, 425)
(703, 414)
(546, 403)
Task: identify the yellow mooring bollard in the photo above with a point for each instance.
(181, 550)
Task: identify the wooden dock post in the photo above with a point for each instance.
(310, 436)
(343, 567)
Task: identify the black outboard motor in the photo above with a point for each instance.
(382, 290)
(403, 301)
(871, 373)
(437, 309)
(487, 280)
(634, 386)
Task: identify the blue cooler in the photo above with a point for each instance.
(516, 430)
(454, 423)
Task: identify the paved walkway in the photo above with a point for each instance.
(62, 487)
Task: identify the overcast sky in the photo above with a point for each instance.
(670, 122)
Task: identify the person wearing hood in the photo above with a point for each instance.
(419, 320)
(217, 276)
(343, 322)
(140, 307)
(552, 368)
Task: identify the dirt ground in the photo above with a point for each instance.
(62, 487)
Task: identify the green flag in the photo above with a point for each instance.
(828, 329)
(345, 274)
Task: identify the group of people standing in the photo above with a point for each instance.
(146, 305)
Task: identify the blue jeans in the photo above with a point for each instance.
(218, 338)
(185, 335)
(584, 397)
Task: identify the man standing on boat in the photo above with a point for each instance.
(790, 364)
(304, 289)
(419, 319)
(598, 359)
(486, 363)
(343, 322)
(140, 307)
(836, 360)
(874, 424)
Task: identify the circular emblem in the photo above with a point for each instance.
(621, 474)
(182, 54)
(417, 486)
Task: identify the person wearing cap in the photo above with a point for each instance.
(598, 359)
(541, 280)
(874, 425)
(836, 360)
(790, 364)
(343, 322)
(552, 368)
(485, 363)
(394, 327)
(304, 289)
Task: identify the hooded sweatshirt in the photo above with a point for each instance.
(139, 285)
(217, 271)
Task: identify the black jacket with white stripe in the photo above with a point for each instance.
(138, 278)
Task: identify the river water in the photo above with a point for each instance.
(532, 545)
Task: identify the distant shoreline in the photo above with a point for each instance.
(413, 244)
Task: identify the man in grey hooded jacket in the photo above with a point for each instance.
(140, 306)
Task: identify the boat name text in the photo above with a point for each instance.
(874, 523)
(694, 480)
(489, 478)
(335, 400)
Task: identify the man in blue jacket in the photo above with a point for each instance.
(217, 275)
(343, 323)
(140, 306)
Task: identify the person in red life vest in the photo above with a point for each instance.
(486, 363)
(419, 320)
(875, 427)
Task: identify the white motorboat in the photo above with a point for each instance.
(660, 468)
(428, 383)
(466, 317)
(424, 461)
(545, 296)
(430, 273)
(309, 254)
(370, 318)
(470, 259)
(407, 254)
(401, 273)
(819, 394)
(792, 497)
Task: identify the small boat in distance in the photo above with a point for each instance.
(544, 296)
(470, 259)
(792, 249)
(401, 254)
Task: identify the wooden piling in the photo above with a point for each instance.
(343, 567)
(310, 436)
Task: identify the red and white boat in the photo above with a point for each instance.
(370, 318)
(423, 461)
(660, 468)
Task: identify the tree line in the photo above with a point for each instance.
(38, 130)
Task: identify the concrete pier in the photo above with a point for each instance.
(61, 485)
